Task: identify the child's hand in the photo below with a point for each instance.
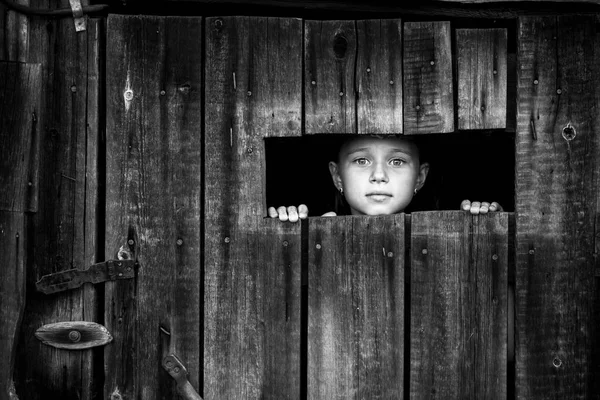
(477, 207)
(290, 213)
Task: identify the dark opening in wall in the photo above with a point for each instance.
(464, 165)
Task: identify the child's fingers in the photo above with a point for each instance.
(465, 205)
(329, 214)
(292, 213)
(302, 211)
(272, 212)
(495, 207)
(475, 206)
(485, 207)
(282, 212)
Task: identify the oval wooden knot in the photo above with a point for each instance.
(74, 335)
(340, 45)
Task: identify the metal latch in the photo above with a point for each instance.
(78, 17)
(177, 370)
(73, 278)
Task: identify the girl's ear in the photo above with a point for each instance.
(423, 171)
(335, 175)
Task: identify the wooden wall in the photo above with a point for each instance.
(154, 149)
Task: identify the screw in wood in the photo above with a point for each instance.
(285, 243)
(227, 240)
(482, 108)
(418, 107)
(432, 62)
(162, 92)
(131, 242)
(368, 70)
(249, 93)
(74, 336)
(341, 94)
(391, 82)
(129, 95)
(558, 91)
(535, 82)
(495, 257)
(424, 251)
(557, 362)
(495, 72)
(179, 242)
(318, 246)
(219, 23)
(531, 251)
(249, 150)
(390, 254)
(73, 88)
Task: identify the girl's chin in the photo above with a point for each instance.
(381, 210)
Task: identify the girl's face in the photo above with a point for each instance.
(378, 175)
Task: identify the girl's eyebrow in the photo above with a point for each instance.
(358, 150)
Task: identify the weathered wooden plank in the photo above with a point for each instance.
(20, 94)
(379, 76)
(12, 293)
(356, 307)
(153, 201)
(459, 304)
(62, 233)
(482, 73)
(428, 93)
(252, 265)
(557, 203)
(329, 91)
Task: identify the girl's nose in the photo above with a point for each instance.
(378, 174)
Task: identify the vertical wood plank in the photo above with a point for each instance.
(329, 85)
(379, 76)
(20, 94)
(482, 72)
(458, 300)
(557, 205)
(153, 201)
(62, 233)
(356, 307)
(428, 94)
(252, 264)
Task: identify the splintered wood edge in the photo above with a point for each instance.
(74, 335)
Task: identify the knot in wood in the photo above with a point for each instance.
(557, 362)
(340, 46)
(569, 132)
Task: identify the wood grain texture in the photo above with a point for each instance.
(482, 77)
(379, 76)
(329, 85)
(458, 295)
(356, 307)
(20, 93)
(428, 93)
(62, 234)
(13, 260)
(557, 203)
(153, 203)
(252, 264)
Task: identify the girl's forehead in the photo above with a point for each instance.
(383, 143)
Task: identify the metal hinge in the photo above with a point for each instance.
(73, 278)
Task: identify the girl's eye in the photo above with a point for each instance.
(396, 162)
(361, 161)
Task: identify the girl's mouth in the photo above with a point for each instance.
(379, 196)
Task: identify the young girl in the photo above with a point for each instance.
(377, 176)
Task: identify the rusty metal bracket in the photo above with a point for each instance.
(175, 368)
(73, 278)
(74, 335)
(78, 17)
